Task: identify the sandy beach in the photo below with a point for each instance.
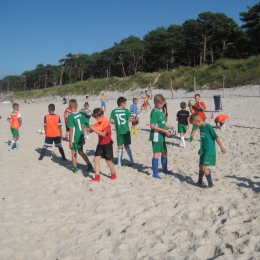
(48, 212)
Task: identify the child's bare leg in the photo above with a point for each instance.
(74, 160)
(192, 135)
(84, 156)
(97, 169)
(111, 166)
(96, 164)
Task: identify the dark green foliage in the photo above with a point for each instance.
(179, 52)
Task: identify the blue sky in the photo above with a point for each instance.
(44, 31)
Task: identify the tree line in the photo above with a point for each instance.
(210, 37)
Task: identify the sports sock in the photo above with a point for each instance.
(136, 129)
(201, 174)
(155, 163)
(209, 180)
(164, 161)
(62, 153)
(120, 155)
(17, 145)
(191, 138)
(11, 145)
(75, 169)
(183, 141)
(42, 153)
(129, 152)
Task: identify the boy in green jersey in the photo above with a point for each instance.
(207, 150)
(76, 126)
(87, 115)
(157, 135)
(120, 117)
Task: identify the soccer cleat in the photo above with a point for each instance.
(113, 176)
(89, 167)
(96, 179)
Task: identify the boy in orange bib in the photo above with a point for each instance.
(221, 121)
(53, 132)
(15, 121)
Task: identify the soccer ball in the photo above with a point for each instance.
(88, 113)
(191, 103)
(40, 131)
(133, 115)
(172, 131)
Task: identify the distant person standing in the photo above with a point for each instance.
(183, 118)
(197, 109)
(103, 102)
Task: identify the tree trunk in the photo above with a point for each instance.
(212, 55)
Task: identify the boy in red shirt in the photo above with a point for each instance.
(197, 109)
(105, 143)
(66, 114)
(15, 121)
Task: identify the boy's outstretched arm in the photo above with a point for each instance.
(223, 150)
(20, 120)
(9, 120)
(103, 133)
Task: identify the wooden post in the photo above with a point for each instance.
(171, 88)
(194, 85)
(151, 90)
(223, 85)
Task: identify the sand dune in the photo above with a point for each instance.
(48, 212)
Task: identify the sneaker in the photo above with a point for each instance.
(96, 179)
(113, 176)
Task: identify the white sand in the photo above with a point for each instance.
(48, 212)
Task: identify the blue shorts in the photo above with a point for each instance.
(49, 141)
(103, 103)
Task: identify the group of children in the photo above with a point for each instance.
(78, 129)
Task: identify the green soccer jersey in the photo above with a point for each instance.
(121, 116)
(76, 122)
(157, 118)
(86, 119)
(207, 140)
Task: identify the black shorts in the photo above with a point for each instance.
(49, 141)
(105, 151)
(67, 129)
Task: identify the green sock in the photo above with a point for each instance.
(75, 169)
(191, 138)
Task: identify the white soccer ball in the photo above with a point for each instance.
(172, 131)
(88, 113)
(191, 103)
(40, 131)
